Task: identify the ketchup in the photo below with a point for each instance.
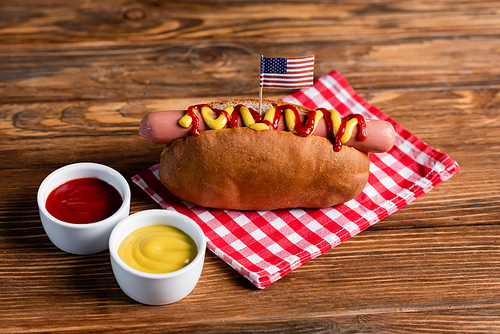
(336, 138)
(83, 201)
(233, 120)
(303, 130)
(300, 129)
(195, 130)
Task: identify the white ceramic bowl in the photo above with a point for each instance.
(157, 289)
(82, 238)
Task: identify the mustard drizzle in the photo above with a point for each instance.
(290, 120)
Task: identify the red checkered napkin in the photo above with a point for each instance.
(264, 246)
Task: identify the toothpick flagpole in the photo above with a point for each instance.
(260, 86)
(260, 101)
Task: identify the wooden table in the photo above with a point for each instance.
(76, 77)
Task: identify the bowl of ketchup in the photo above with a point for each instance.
(80, 204)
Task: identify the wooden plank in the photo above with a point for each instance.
(76, 77)
(95, 21)
(44, 56)
(436, 246)
(377, 272)
(129, 72)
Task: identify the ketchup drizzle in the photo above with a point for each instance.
(276, 119)
(195, 129)
(336, 138)
(362, 133)
(306, 129)
(301, 129)
(234, 117)
(329, 124)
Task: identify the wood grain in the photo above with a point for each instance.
(76, 77)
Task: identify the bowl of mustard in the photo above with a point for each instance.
(157, 256)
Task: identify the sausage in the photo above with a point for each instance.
(161, 127)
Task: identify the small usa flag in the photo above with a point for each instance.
(282, 72)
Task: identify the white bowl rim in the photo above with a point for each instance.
(199, 257)
(85, 165)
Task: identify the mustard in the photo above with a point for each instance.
(158, 249)
(186, 120)
(249, 121)
(269, 116)
(247, 117)
(290, 119)
(336, 120)
(349, 128)
(219, 122)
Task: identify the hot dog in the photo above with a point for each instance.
(160, 127)
(264, 164)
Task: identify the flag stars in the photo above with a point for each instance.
(273, 65)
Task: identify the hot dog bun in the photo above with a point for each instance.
(243, 169)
